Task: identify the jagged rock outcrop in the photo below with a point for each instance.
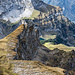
(48, 19)
(62, 59)
(54, 23)
(23, 43)
(26, 42)
(20, 9)
(51, 21)
(6, 28)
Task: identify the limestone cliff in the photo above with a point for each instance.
(21, 9)
(6, 28)
(25, 42)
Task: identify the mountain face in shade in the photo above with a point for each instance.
(68, 7)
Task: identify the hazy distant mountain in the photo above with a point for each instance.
(68, 7)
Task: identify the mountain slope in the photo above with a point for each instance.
(28, 51)
(21, 9)
(18, 7)
(49, 20)
(14, 46)
(68, 7)
(23, 44)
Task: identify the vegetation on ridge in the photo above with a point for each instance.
(59, 46)
(7, 65)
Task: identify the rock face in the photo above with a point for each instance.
(48, 19)
(54, 23)
(57, 58)
(68, 7)
(21, 44)
(6, 28)
(28, 43)
(62, 59)
(20, 9)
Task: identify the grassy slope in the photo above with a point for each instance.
(34, 15)
(59, 46)
(5, 65)
(6, 49)
(51, 45)
(46, 37)
(35, 67)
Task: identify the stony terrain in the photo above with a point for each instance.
(56, 24)
(13, 47)
(18, 7)
(21, 10)
(21, 52)
(29, 53)
(49, 20)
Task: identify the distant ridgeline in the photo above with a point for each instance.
(68, 7)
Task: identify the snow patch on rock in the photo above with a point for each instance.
(15, 15)
(14, 10)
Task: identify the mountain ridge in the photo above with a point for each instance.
(14, 45)
(23, 58)
(48, 19)
(67, 6)
(21, 51)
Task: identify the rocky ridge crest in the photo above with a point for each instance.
(19, 45)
